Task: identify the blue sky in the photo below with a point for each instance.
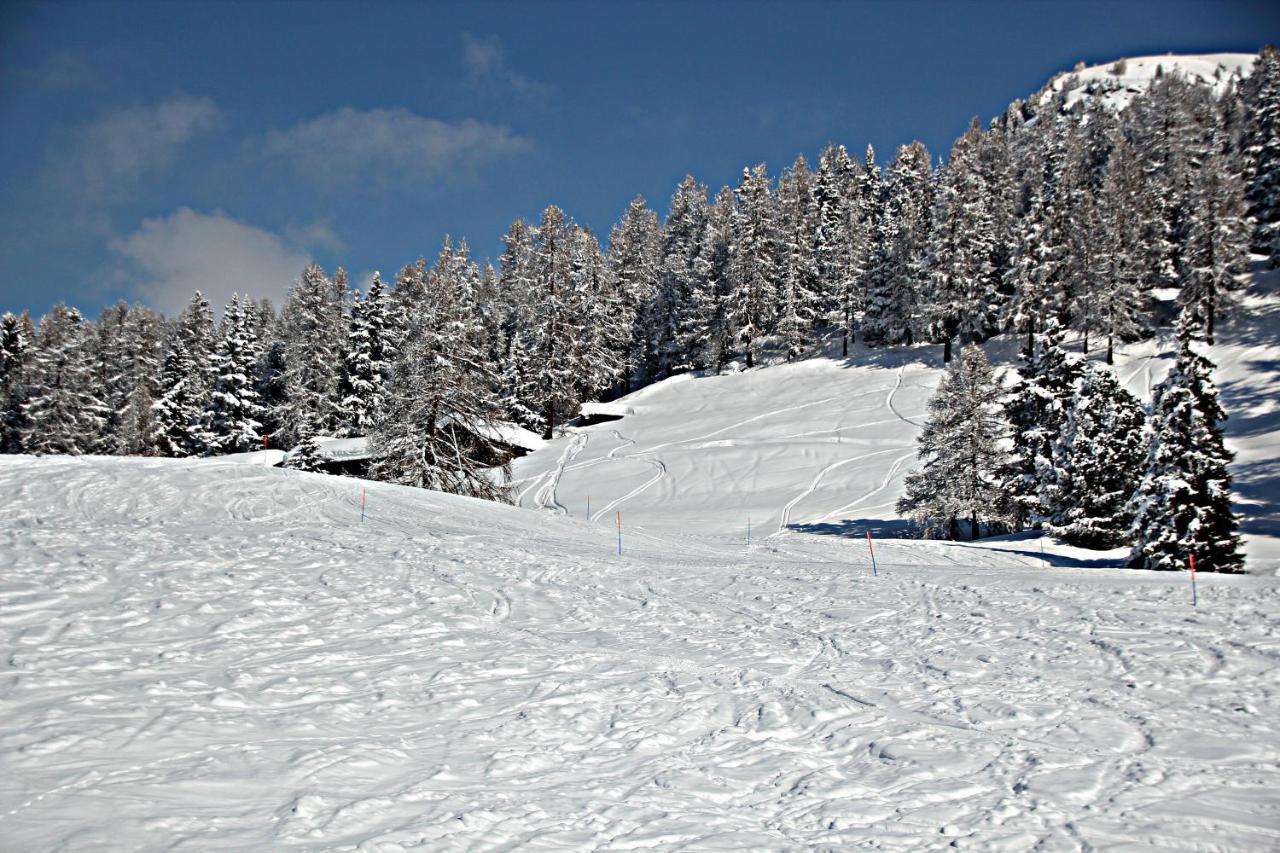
(148, 149)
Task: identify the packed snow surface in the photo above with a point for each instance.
(207, 654)
(216, 655)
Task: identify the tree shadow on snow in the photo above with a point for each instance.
(1259, 484)
(857, 528)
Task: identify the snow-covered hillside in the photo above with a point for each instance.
(1117, 82)
(205, 654)
(823, 445)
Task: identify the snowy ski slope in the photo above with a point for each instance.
(823, 445)
(216, 654)
(210, 655)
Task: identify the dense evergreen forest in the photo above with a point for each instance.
(1062, 217)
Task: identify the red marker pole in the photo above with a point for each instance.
(619, 533)
(1194, 602)
(870, 545)
(264, 441)
(364, 498)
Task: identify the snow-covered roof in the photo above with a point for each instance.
(605, 410)
(511, 435)
(268, 457)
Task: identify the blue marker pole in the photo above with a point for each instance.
(588, 507)
(874, 573)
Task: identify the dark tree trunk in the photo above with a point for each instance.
(1110, 354)
(1208, 324)
(946, 351)
(844, 343)
(550, 415)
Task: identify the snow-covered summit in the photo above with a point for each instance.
(1117, 82)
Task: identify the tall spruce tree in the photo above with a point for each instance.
(893, 311)
(232, 422)
(754, 265)
(1095, 464)
(798, 289)
(1183, 506)
(366, 357)
(635, 258)
(709, 336)
(840, 242)
(1037, 403)
(964, 300)
(312, 328)
(959, 477)
(17, 337)
(175, 414)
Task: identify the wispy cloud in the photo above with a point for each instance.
(105, 160)
(169, 258)
(487, 69)
(388, 145)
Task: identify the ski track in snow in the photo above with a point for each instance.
(192, 664)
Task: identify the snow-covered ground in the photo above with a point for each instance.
(218, 655)
(215, 655)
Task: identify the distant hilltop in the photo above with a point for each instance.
(1117, 82)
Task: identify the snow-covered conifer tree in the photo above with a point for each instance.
(366, 357)
(1037, 405)
(305, 455)
(312, 328)
(635, 257)
(709, 337)
(1183, 505)
(233, 421)
(62, 413)
(1215, 256)
(959, 477)
(668, 316)
(895, 290)
(436, 425)
(175, 414)
(754, 264)
(1260, 97)
(798, 299)
(16, 340)
(557, 324)
(1095, 464)
(840, 242)
(964, 298)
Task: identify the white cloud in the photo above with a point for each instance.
(106, 158)
(486, 63)
(388, 144)
(173, 256)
